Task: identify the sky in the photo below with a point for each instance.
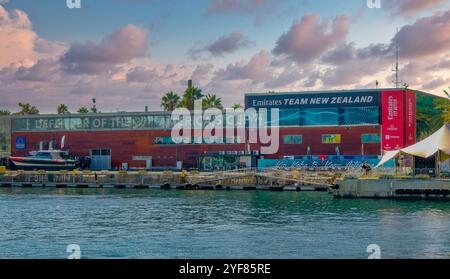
(129, 53)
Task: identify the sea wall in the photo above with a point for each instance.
(393, 188)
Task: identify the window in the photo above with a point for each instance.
(370, 138)
(43, 155)
(293, 139)
(331, 138)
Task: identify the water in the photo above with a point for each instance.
(112, 223)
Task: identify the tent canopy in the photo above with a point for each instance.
(439, 141)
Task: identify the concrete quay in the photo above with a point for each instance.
(423, 189)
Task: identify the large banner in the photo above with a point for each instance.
(312, 100)
(410, 118)
(393, 112)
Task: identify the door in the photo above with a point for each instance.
(101, 159)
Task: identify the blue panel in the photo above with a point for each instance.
(320, 117)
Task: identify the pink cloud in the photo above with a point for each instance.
(16, 37)
(411, 7)
(426, 36)
(309, 38)
(255, 69)
(121, 46)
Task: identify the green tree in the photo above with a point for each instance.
(170, 101)
(62, 109)
(5, 112)
(83, 110)
(27, 109)
(212, 101)
(190, 96)
(237, 106)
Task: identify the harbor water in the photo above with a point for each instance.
(123, 223)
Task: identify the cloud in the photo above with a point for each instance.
(43, 71)
(223, 45)
(426, 36)
(411, 7)
(201, 73)
(121, 46)
(228, 44)
(309, 38)
(256, 69)
(435, 83)
(16, 37)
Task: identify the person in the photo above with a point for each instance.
(366, 167)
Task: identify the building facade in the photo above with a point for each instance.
(339, 125)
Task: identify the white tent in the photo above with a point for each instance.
(439, 141)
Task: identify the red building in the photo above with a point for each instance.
(354, 124)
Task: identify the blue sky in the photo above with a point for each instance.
(174, 28)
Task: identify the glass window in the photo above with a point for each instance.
(43, 155)
(293, 139)
(370, 138)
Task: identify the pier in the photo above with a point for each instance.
(405, 188)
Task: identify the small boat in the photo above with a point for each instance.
(45, 160)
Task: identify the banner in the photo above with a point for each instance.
(312, 100)
(410, 106)
(393, 111)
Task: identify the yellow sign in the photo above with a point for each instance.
(2, 169)
(331, 138)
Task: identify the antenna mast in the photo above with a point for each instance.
(397, 70)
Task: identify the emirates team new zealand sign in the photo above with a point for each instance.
(313, 100)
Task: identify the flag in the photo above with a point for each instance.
(63, 139)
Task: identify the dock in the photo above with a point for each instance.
(406, 188)
(242, 179)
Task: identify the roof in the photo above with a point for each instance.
(338, 91)
(439, 141)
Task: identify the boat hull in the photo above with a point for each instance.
(24, 163)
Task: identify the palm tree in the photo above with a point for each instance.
(237, 106)
(4, 112)
(83, 110)
(447, 92)
(170, 101)
(62, 109)
(211, 101)
(190, 96)
(27, 109)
